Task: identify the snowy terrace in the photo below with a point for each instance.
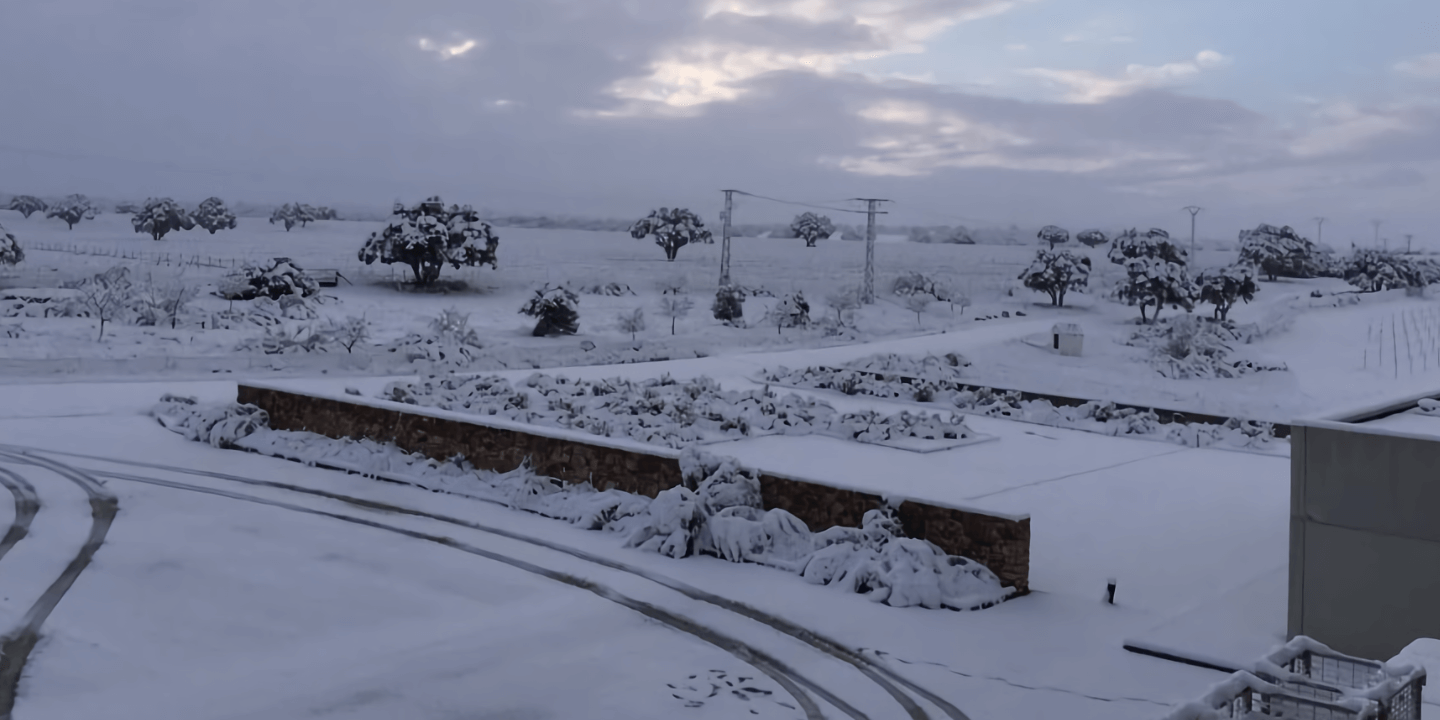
(1206, 514)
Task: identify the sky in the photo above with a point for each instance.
(1081, 113)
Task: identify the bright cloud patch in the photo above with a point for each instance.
(1083, 86)
(447, 50)
(741, 39)
(1343, 127)
(1424, 66)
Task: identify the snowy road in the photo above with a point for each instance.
(771, 646)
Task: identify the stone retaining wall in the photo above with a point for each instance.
(1001, 544)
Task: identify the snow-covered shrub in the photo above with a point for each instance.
(672, 228)
(428, 235)
(108, 297)
(449, 340)
(843, 301)
(1280, 252)
(10, 252)
(348, 333)
(791, 311)
(1222, 287)
(729, 306)
(72, 210)
(1155, 270)
(910, 283)
(283, 340)
(811, 227)
(610, 289)
(1377, 270)
(554, 308)
(1057, 273)
(27, 205)
(163, 301)
(1054, 235)
(1189, 347)
(213, 215)
(671, 524)
(218, 425)
(1091, 238)
(276, 279)
(161, 216)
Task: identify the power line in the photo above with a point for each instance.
(800, 204)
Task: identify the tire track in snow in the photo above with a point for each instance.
(882, 676)
(793, 683)
(27, 504)
(16, 646)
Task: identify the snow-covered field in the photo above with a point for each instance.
(216, 597)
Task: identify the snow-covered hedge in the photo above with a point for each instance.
(662, 411)
(1099, 417)
(716, 511)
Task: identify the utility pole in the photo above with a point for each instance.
(725, 238)
(1193, 210)
(871, 212)
(1319, 230)
(1407, 243)
(1377, 223)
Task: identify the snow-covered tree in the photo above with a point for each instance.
(729, 306)
(105, 296)
(1376, 270)
(1092, 238)
(278, 278)
(1057, 273)
(633, 322)
(213, 215)
(72, 209)
(10, 252)
(162, 301)
(672, 228)
(126, 208)
(325, 213)
(791, 311)
(349, 333)
(1280, 252)
(1054, 235)
(811, 227)
(675, 307)
(917, 304)
(1223, 287)
(428, 235)
(160, 216)
(1155, 270)
(555, 309)
(287, 215)
(27, 204)
(305, 214)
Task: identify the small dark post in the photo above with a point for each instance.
(1110, 591)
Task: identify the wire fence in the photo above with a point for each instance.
(167, 259)
(1403, 342)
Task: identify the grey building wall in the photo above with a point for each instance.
(1364, 538)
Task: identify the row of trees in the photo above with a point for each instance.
(211, 214)
(1157, 270)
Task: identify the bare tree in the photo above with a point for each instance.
(917, 304)
(105, 296)
(634, 322)
(843, 301)
(675, 307)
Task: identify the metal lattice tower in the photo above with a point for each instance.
(870, 213)
(725, 238)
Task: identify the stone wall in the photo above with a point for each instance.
(1001, 544)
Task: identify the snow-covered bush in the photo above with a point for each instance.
(350, 332)
(1054, 235)
(27, 205)
(1057, 273)
(1280, 252)
(791, 311)
(1189, 347)
(218, 425)
(1223, 287)
(160, 216)
(811, 227)
(163, 301)
(1155, 270)
(554, 308)
(1091, 238)
(910, 283)
(448, 340)
(611, 289)
(10, 252)
(276, 279)
(672, 229)
(428, 235)
(213, 215)
(1377, 270)
(283, 340)
(292, 214)
(729, 305)
(72, 210)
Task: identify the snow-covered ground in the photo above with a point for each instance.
(218, 598)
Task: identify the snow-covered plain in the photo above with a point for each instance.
(204, 605)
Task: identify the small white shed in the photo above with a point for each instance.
(1067, 338)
